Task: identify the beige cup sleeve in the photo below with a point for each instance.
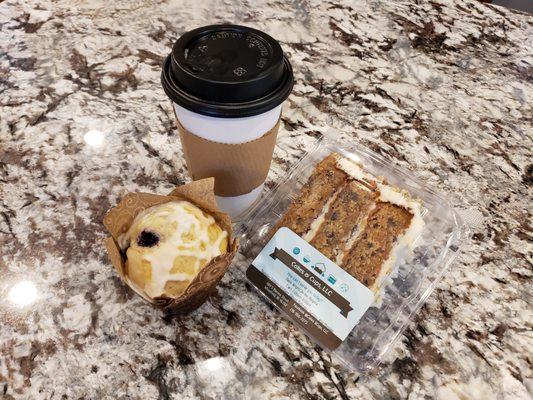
(237, 168)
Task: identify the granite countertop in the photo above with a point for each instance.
(444, 88)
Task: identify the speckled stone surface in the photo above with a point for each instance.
(444, 88)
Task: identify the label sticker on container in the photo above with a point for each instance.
(318, 295)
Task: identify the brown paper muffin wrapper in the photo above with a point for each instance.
(200, 193)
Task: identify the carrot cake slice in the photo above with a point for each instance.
(358, 221)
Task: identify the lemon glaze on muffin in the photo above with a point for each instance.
(168, 244)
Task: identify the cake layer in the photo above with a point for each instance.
(317, 191)
(385, 224)
(343, 219)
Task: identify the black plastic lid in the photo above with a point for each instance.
(227, 71)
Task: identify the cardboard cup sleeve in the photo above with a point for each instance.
(237, 168)
(200, 193)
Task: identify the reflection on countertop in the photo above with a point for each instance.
(22, 293)
(442, 87)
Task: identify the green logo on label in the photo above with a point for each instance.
(320, 268)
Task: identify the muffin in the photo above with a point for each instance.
(167, 245)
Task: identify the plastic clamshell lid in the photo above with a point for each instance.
(414, 275)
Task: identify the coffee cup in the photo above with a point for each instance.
(227, 84)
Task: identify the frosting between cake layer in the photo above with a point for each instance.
(356, 233)
(317, 223)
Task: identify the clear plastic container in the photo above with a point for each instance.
(414, 275)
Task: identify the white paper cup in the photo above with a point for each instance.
(227, 84)
(230, 131)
